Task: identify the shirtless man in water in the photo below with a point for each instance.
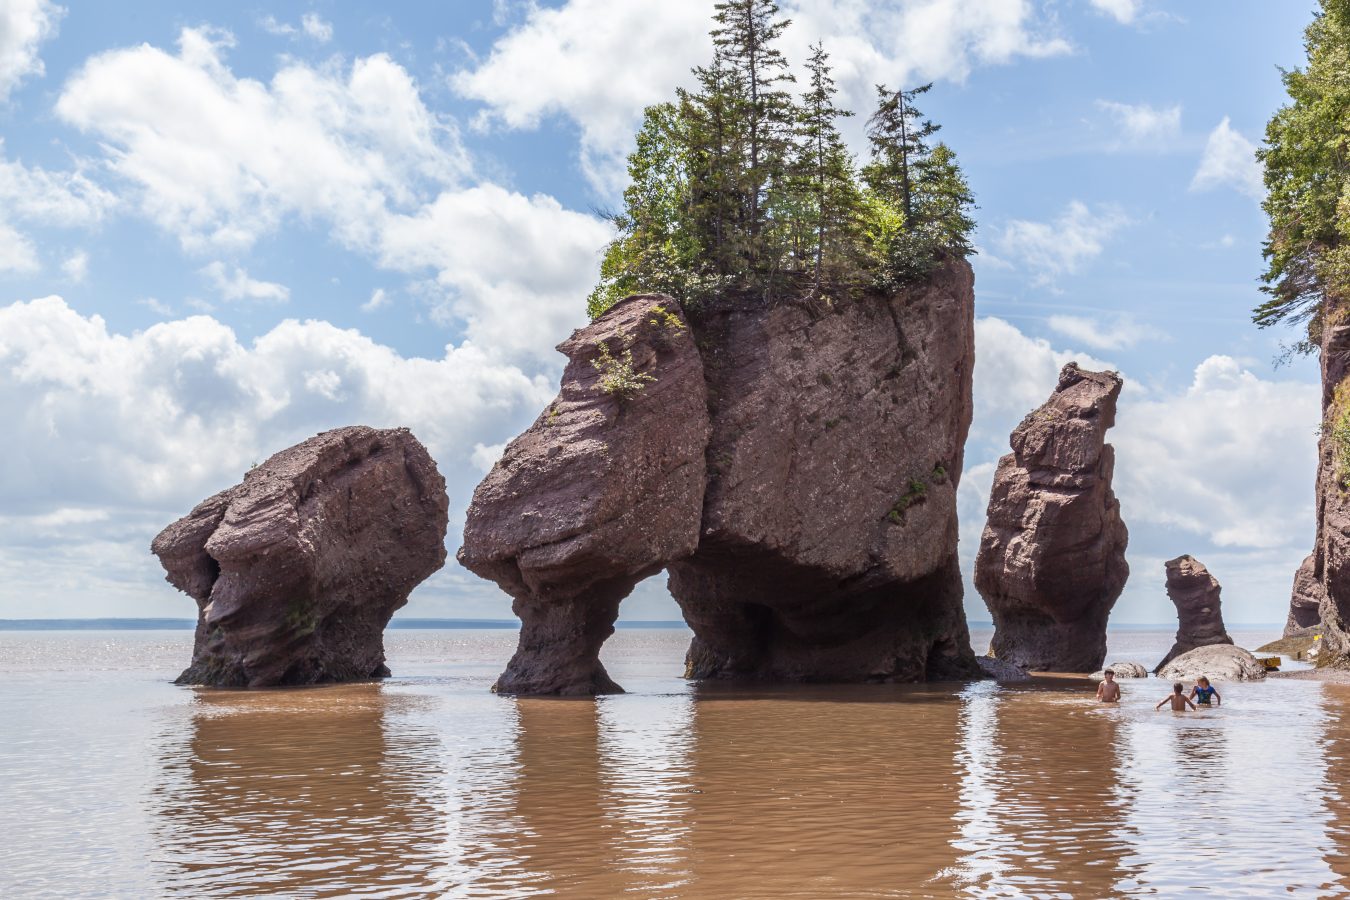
(1108, 691)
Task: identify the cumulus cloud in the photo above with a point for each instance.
(64, 199)
(1054, 249)
(24, 25)
(1123, 11)
(1115, 333)
(600, 62)
(220, 160)
(76, 266)
(1229, 160)
(17, 252)
(1142, 125)
(234, 283)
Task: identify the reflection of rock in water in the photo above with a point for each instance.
(813, 792)
(1335, 790)
(304, 792)
(1042, 807)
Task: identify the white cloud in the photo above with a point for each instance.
(378, 300)
(1123, 11)
(1119, 332)
(17, 252)
(514, 269)
(76, 266)
(312, 26)
(219, 160)
(24, 24)
(600, 62)
(1061, 247)
(234, 283)
(1229, 160)
(1142, 125)
(65, 199)
(1202, 460)
(485, 457)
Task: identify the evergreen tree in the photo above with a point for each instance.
(1307, 177)
(826, 171)
(943, 202)
(898, 134)
(745, 35)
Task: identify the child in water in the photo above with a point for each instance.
(1203, 693)
(1108, 691)
(1178, 700)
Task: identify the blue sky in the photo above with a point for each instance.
(224, 229)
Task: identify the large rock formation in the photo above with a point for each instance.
(1324, 577)
(297, 570)
(1052, 557)
(817, 542)
(1195, 593)
(603, 490)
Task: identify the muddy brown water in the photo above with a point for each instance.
(115, 783)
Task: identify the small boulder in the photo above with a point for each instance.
(297, 570)
(1217, 662)
(1122, 670)
(1001, 670)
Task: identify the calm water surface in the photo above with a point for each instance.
(115, 783)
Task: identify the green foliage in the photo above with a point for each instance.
(918, 490)
(742, 191)
(1307, 178)
(618, 376)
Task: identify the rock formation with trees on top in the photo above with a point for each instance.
(1051, 562)
(1307, 283)
(790, 429)
(1195, 593)
(297, 570)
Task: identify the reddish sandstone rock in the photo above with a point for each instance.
(603, 490)
(1305, 600)
(1195, 593)
(828, 550)
(1051, 562)
(297, 570)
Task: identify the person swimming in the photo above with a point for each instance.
(1204, 692)
(1108, 691)
(1178, 699)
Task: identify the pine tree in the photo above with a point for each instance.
(943, 202)
(763, 111)
(825, 167)
(898, 134)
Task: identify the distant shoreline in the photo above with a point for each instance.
(150, 624)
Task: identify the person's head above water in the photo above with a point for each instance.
(1202, 680)
(1176, 688)
(1109, 674)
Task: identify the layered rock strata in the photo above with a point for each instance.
(602, 491)
(793, 467)
(1051, 562)
(1195, 593)
(297, 570)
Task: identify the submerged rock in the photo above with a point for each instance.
(1051, 562)
(1217, 662)
(603, 490)
(999, 670)
(1123, 670)
(297, 570)
(1195, 593)
(794, 469)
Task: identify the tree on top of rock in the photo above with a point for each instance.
(742, 192)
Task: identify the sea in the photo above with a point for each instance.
(114, 782)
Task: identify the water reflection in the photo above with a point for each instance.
(301, 792)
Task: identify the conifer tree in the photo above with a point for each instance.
(825, 168)
(942, 201)
(898, 134)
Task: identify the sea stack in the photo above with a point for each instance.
(793, 467)
(1051, 562)
(297, 570)
(602, 491)
(1195, 593)
(1305, 600)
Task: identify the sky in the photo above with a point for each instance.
(225, 228)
